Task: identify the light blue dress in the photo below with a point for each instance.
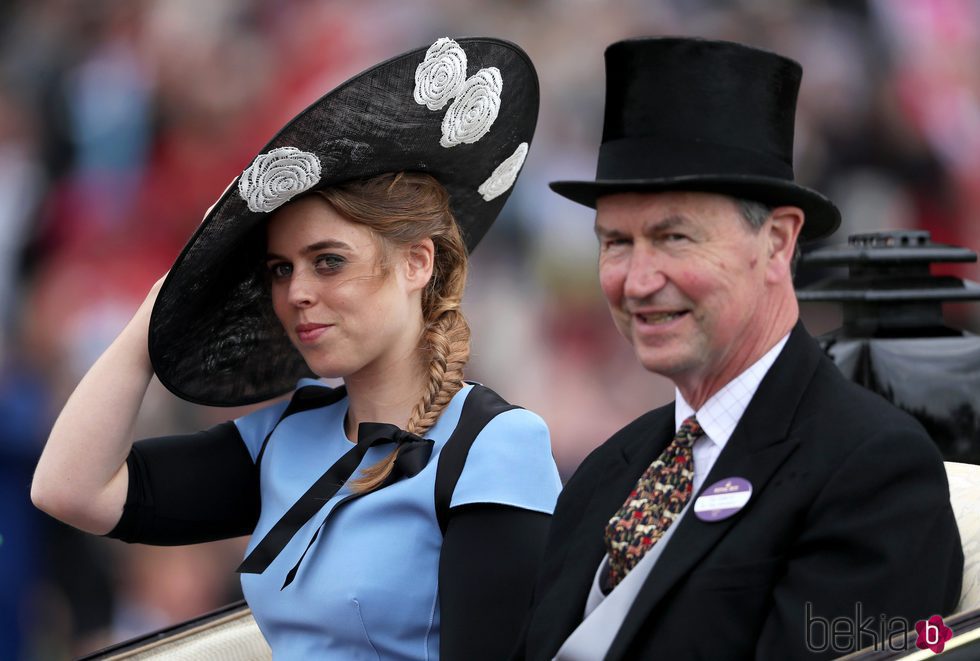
(368, 587)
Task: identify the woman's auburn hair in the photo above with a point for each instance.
(403, 209)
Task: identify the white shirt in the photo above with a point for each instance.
(719, 416)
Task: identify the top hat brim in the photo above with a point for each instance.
(213, 338)
(821, 216)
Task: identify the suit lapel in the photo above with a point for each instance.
(586, 546)
(757, 448)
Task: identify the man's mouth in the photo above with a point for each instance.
(659, 317)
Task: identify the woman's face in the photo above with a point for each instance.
(340, 310)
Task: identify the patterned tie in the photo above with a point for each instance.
(656, 500)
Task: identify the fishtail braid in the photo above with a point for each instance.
(405, 208)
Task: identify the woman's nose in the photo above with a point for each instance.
(300, 291)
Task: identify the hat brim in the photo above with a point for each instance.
(213, 337)
(821, 216)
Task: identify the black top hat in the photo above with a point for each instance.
(711, 116)
(463, 111)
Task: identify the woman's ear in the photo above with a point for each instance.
(419, 261)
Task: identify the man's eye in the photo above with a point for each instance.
(614, 241)
(675, 237)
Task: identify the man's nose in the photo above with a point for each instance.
(645, 275)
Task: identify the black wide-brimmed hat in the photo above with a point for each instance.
(463, 111)
(698, 115)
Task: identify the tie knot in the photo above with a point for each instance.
(689, 431)
(401, 436)
(376, 433)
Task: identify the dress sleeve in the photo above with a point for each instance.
(189, 489)
(255, 426)
(510, 463)
(487, 568)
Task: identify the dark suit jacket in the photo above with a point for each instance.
(850, 504)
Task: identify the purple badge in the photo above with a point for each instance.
(722, 499)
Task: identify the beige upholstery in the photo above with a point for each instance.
(964, 493)
(233, 637)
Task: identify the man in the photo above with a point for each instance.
(810, 498)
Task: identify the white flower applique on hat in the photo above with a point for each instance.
(505, 174)
(441, 74)
(278, 176)
(475, 109)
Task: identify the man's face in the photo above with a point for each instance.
(684, 276)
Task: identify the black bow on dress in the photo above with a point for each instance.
(414, 453)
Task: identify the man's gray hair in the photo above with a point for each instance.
(757, 213)
(754, 213)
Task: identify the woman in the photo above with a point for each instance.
(340, 252)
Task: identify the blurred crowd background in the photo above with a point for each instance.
(121, 121)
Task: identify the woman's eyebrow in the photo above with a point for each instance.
(330, 244)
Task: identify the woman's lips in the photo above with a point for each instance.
(308, 333)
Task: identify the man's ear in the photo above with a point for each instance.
(419, 261)
(783, 231)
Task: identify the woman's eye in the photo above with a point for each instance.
(328, 263)
(280, 270)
